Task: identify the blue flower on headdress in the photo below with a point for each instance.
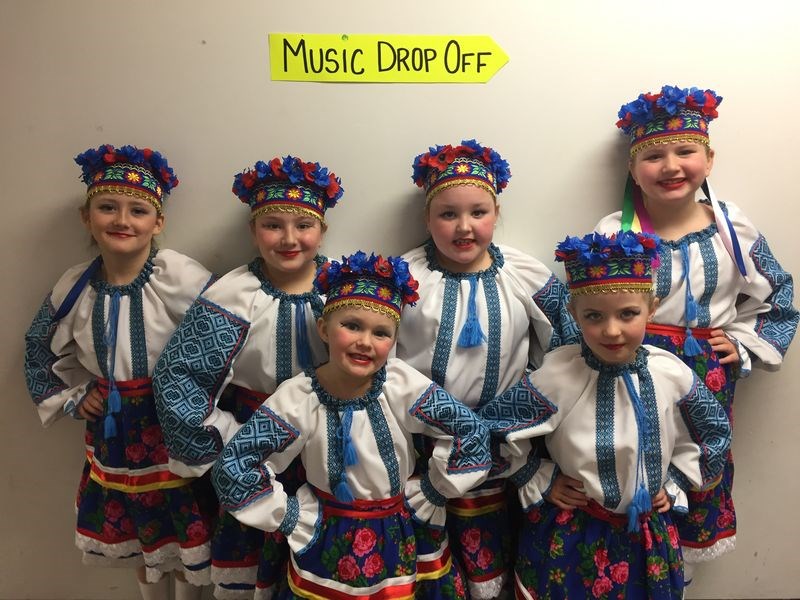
(672, 99)
(95, 160)
(629, 243)
(357, 261)
(392, 271)
(640, 110)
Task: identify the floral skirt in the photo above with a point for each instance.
(247, 562)
(438, 575)
(131, 510)
(590, 554)
(479, 525)
(708, 530)
(364, 550)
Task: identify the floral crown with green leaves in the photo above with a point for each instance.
(597, 264)
(381, 284)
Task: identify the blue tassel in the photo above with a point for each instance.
(639, 506)
(471, 334)
(114, 401)
(349, 455)
(690, 345)
(691, 307)
(342, 491)
(301, 335)
(109, 427)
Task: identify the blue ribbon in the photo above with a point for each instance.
(471, 334)
(114, 401)
(640, 503)
(690, 345)
(301, 335)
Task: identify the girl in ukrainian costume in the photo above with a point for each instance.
(725, 301)
(486, 312)
(351, 422)
(254, 329)
(631, 424)
(89, 354)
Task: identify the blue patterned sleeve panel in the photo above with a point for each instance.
(522, 410)
(45, 371)
(705, 427)
(553, 300)
(189, 376)
(445, 418)
(766, 321)
(240, 476)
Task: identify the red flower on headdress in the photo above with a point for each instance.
(275, 166)
(248, 179)
(333, 188)
(382, 267)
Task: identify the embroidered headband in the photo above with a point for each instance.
(598, 264)
(468, 164)
(143, 174)
(288, 185)
(381, 284)
(673, 115)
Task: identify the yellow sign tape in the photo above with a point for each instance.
(384, 58)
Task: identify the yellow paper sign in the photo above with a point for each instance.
(384, 58)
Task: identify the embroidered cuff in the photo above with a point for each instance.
(745, 363)
(526, 473)
(290, 518)
(430, 493)
(71, 408)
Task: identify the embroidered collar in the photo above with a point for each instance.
(694, 237)
(103, 287)
(494, 252)
(639, 362)
(255, 267)
(326, 399)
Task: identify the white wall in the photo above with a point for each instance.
(190, 78)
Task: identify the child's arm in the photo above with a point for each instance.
(189, 377)
(460, 458)
(57, 382)
(244, 475)
(766, 320)
(702, 436)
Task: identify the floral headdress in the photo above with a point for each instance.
(673, 115)
(381, 284)
(597, 264)
(142, 173)
(468, 164)
(288, 185)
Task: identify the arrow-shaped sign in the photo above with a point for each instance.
(384, 58)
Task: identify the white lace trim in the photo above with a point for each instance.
(487, 590)
(228, 575)
(170, 557)
(696, 555)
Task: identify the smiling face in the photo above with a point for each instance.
(288, 242)
(671, 173)
(359, 341)
(123, 226)
(461, 220)
(613, 324)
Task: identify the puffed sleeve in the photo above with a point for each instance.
(460, 459)
(551, 323)
(702, 433)
(56, 380)
(766, 320)
(244, 475)
(194, 369)
(535, 407)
